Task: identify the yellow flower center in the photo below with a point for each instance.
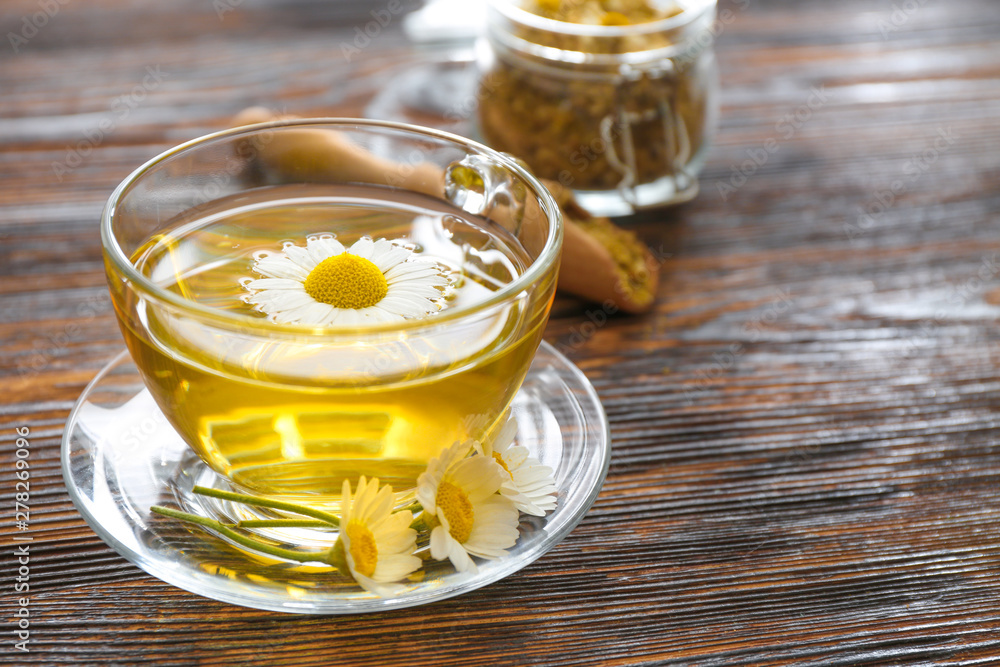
(347, 281)
(457, 508)
(499, 459)
(364, 551)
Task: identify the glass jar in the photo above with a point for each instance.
(621, 114)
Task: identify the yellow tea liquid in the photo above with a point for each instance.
(293, 416)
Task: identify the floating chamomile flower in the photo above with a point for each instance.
(528, 484)
(461, 491)
(327, 284)
(378, 543)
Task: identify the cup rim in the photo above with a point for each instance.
(546, 257)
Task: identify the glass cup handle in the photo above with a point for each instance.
(482, 187)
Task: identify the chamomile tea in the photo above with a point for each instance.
(302, 393)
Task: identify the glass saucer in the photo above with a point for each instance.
(120, 456)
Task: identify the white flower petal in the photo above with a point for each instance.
(541, 486)
(460, 559)
(418, 290)
(491, 538)
(335, 318)
(345, 494)
(411, 271)
(394, 567)
(313, 312)
(351, 317)
(386, 316)
(275, 284)
(479, 476)
(527, 504)
(427, 488)
(384, 590)
(324, 247)
(397, 539)
(389, 258)
(376, 314)
(497, 539)
(394, 523)
(515, 456)
(300, 256)
(443, 546)
(380, 247)
(290, 316)
(533, 474)
(288, 299)
(379, 505)
(404, 307)
(380, 250)
(505, 438)
(490, 552)
(497, 509)
(440, 543)
(363, 247)
(279, 266)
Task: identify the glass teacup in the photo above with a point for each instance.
(286, 390)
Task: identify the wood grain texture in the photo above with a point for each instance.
(805, 466)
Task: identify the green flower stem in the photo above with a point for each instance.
(267, 502)
(283, 523)
(424, 522)
(249, 542)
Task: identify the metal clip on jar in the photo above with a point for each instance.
(621, 114)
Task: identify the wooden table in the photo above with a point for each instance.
(805, 466)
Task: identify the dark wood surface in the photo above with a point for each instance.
(805, 466)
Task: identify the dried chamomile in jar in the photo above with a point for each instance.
(611, 98)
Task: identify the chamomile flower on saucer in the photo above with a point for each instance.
(528, 484)
(325, 284)
(461, 491)
(378, 543)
